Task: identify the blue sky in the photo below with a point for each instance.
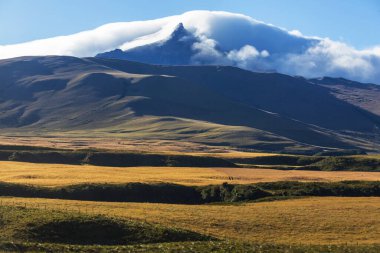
(352, 21)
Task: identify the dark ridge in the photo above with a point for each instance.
(115, 159)
(123, 159)
(320, 163)
(23, 147)
(180, 194)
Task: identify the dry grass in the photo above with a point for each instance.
(328, 220)
(153, 146)
(61, 174)
(234, 154)
(373, 156)
(270, 175)
(117, 143)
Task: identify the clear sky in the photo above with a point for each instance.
(355, 22)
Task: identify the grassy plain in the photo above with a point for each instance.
(265, 225)
(62, 174)
(319, 220)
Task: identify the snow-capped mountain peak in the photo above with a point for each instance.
(213, 37)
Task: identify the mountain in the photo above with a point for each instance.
(174, 50)
(215, 105)
(213, 38)
(253, 46)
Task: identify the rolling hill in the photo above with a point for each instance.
(207, 104)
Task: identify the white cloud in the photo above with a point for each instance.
(87, 43)
(224, 39)
(206, 52)
(245, 53)
(246, 56)
(264, 53)
(331, 58)
(296, 33)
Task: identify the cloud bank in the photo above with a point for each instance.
(223, 38)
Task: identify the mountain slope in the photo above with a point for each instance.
(363, 95)
(287, 96)
(134, 100)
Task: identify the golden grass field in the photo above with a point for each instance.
(62, 174)
(318, 220)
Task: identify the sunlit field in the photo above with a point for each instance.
(327, 220)
(62, 174)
